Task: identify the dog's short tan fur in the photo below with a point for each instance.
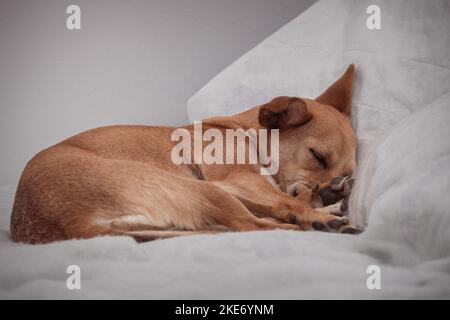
(120, 180)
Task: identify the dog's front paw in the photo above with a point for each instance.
(351, 229)
(335, 195)
(330, 223)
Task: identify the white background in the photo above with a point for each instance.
(133, 62)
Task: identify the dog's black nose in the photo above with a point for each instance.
(329, 196)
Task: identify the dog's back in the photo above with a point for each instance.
(61, 186)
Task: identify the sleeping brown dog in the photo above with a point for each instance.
(121, 180)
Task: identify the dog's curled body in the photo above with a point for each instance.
(120, 180)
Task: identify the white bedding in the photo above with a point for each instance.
(402, 188)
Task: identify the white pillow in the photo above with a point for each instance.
(400, 68)
(402, 189)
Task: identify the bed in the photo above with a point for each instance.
(401, 111)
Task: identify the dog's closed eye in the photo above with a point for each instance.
(319, 157)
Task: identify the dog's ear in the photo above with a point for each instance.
(283, 112)
(339, 94)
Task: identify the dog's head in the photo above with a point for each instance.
(317, 141)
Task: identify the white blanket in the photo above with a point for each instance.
(402, 188)
(407, 238)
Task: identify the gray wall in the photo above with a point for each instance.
(133, 62)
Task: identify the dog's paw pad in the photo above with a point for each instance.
(351, 229)
(319, 226)
(335, 224)
(329, 196)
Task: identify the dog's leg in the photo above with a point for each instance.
(335, 190)
(137, 228)
(207, 211)
(261, 198)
